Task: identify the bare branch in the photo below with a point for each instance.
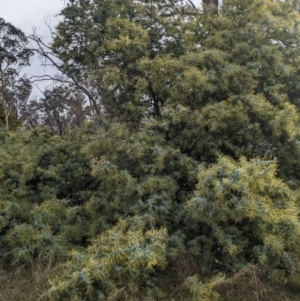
(193, 5)
(61, 66)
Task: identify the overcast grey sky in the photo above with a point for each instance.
(29, 14)
(26, 14)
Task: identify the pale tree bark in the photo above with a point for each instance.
(6, 110)
(7, 113)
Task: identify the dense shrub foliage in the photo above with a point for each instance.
(194, 161)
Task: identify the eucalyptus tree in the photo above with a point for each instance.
(108, 41)
(14, 56)
(76, 78)
(60, 108)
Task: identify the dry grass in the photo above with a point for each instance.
(182, 268)
(128, 293)
(24, 283)
(171, 280)
(249, 285)
(244, 285)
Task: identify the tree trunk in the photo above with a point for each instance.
(6, 118)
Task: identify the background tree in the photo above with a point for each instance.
(60, 108)
(14, 89)
(13, 121)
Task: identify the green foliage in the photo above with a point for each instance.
(119, 257)
(109, 40)
(221, 84)
(200, 291)
(43, 179)
(245, 211)
(195, 157)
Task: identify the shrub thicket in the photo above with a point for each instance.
(203, 176)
